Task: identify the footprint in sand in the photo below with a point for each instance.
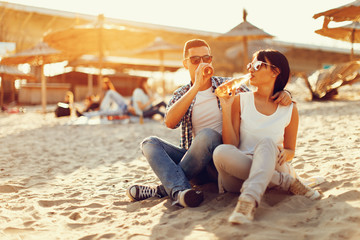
(9, 189)
(50, 203)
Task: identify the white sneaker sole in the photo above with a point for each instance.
(238, 218)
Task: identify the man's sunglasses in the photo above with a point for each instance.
(257, 65)
(197, 59)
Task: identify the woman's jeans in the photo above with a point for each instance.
(251, 176)
(175, 166)
(111, 97)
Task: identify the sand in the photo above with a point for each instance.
(61, 181)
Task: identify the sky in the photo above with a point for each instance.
(287, 20)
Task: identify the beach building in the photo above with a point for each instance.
(25, 26)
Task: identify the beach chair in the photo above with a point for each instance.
(324, 83)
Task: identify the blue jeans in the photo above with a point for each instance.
(111, 97)
(175, 166)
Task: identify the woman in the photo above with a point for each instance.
(112, 103)
(142, 101)
(259, 137)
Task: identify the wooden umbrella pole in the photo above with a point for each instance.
(90, 84)
(2, 93)
(101, 51)
(43, 89)
(352, 44)
(162, 69)
(245, 54)
(100, 80)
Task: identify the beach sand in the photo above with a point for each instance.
(61, 181)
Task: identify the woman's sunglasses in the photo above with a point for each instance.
(197, 59)
(257, 65)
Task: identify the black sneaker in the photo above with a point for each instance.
(139, 192)
(190, 198)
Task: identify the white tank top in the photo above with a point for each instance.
(255, 126)
(206, 113)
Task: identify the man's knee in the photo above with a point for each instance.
(152, 140)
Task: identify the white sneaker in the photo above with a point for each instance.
(244, 211)
(298, 188)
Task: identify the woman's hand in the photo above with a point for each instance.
(285, 155)
(226, 99)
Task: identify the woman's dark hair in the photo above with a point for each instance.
(277, 59)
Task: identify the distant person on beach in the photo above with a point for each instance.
(65, 108)
(259, 138)
(196, 108)
(111, 102)
(142, 101)
(92, 103)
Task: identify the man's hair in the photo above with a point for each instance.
(194, 43)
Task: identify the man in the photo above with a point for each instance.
(196, 108)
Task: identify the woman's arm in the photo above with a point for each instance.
(231, 120)
(288, 152)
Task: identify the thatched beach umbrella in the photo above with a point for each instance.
(122, 64)
(348, 12)
(157, 49)
(39, 55)
(13, 73)
(98, 38)
(349, 33)
(244, 32)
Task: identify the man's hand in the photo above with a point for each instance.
(200, 80)
(283, 98)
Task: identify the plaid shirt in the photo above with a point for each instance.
(186, 121)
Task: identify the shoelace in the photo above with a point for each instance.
(299, 188)
(244, 207)
(146, 192)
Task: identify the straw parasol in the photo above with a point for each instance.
(39, 55)
(157, 49)
(348, 12)
(98, 38)
(13, 73)
(244, 32)
(121, 64)
(234, 51)
(349, 33)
